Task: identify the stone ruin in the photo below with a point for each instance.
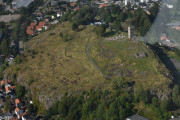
(141, 55)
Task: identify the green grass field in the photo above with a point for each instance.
(54, 67)
(117, 59)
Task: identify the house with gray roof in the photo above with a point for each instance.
(136, 117)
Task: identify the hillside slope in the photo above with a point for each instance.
(52, 67)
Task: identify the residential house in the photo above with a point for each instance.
(38, 28)
(14, 118)
(7, 116)
(72, 4)
(2, 82)
(21, 115)
(18, 111)
(10, 59)
(17, 101)
(30, 30)
(33, 24)
(103, 5)
(41, 25)
(8, 90)
(1, 90)
(136, 117)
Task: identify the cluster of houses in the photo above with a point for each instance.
(36, 27)
(19, 112)
(165, 41)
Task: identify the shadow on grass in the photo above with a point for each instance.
(81, 29)
(108, 34)
(167, 61)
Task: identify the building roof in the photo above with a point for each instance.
(22, 3)
(22, 114)
(33, 24)
(1, 101)
(29, 32)
(17, 101)
(12, 87)
(8, 89)
(76, 9)
(42, 23)
(17, 109)
(72, 4)
(2, 82)
(103, 5)
(14, 118)
(136, 117)
(30, 27)
(38, 27)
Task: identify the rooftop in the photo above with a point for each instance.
(136, 117)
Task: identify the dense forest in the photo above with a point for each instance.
(117, 104)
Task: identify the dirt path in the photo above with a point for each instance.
(118, 38)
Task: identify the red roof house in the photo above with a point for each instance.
(33, 24)
(17, 101)
(42, 23)
(103, 5)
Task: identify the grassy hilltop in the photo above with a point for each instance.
(52, 67)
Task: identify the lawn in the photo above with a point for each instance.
(117, 59)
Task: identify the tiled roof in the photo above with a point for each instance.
(30, 27)
(136, 117)
(2, 82)
(17, 101)
(17, 109)
(103, 5)
(38, 27)
(33, 24)
(29, 32)
(42, 23)
(8, 89)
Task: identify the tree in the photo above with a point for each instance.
(74, 26)
(63, 108)
(30, 108)
(155, 102)
(4, 47)
(7, 105)
(2, 25)
(117, 25)
(20, 91)
(113, 112)
(100, 30)
(176, 96)
(141, 95)
(61, 34)
(164, 105)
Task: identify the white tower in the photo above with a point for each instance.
(130, 32)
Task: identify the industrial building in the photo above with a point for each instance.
(21, 3)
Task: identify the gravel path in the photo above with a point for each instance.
(116, 38)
